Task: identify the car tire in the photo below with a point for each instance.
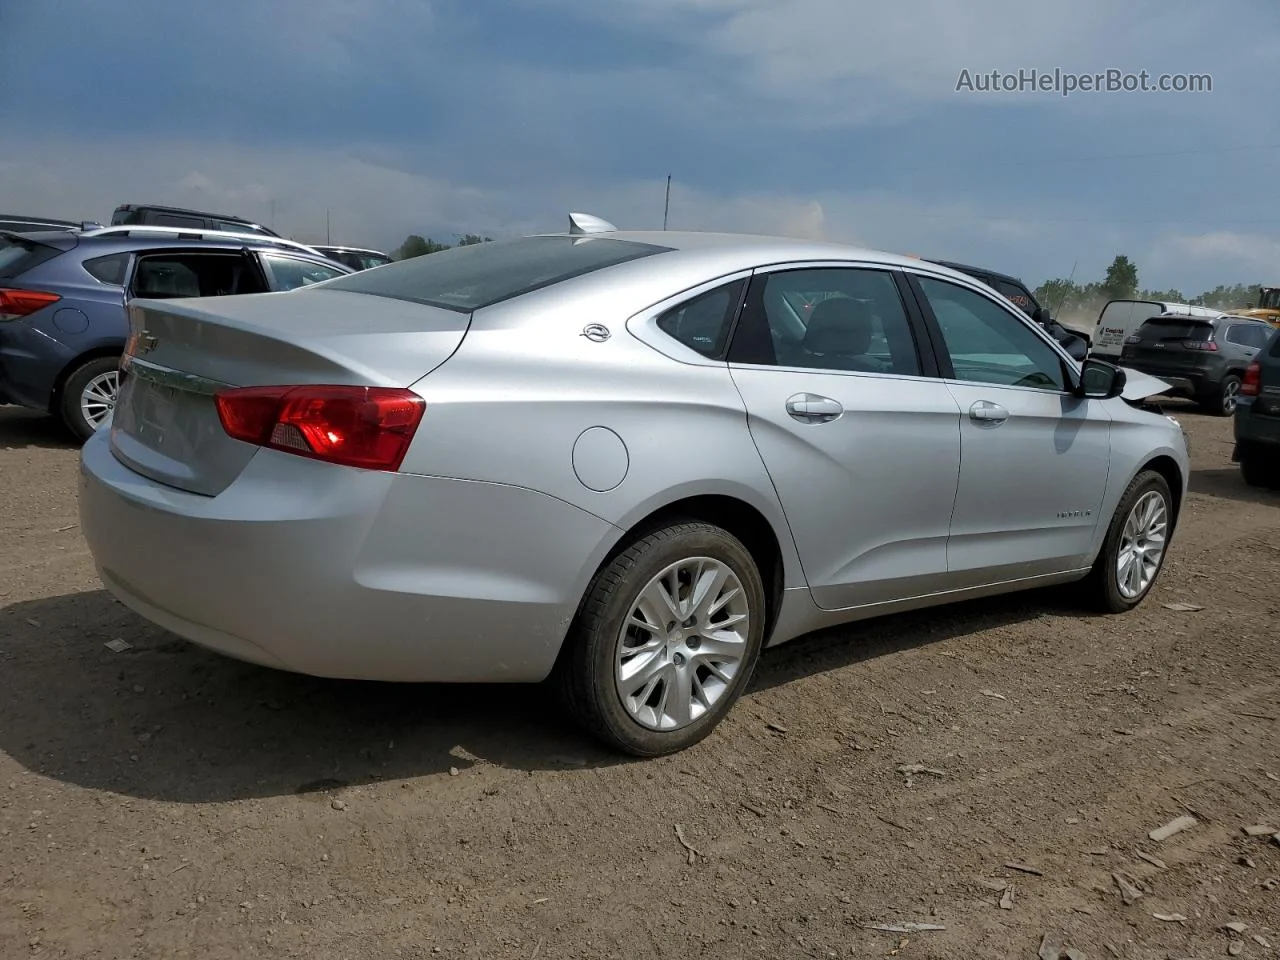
(1260, 470)
(1107, 587)
(86, 391)
(635, 676)
(1222, 399)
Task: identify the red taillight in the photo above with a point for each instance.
(369, 427)
(1252, 380)
(1200, 345)
(15, 304)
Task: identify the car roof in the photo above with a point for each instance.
(751, 249)
(686, 259)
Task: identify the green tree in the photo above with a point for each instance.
(1121, 281)
(1164, 296)
(468, 239)
(416, 246)
(1059, 294)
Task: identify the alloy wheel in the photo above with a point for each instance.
(682, 644)
(98, 398)
(1230, 395)
(1142, 543)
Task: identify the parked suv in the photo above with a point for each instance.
(357, 258)
(63, 323)
(1202, 358)
(1257, 420)
(154, 215)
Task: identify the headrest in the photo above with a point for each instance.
(839, 326)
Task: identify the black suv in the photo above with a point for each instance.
(154, 215)
(1202, 358)
(1014, 290)
(1257, 423)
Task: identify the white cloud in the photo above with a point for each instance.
(1239, 257)
(372, 202)
(833, 62)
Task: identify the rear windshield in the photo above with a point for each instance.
(1178, 328)
(18, 255)
(479, 275)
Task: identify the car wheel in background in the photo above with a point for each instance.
(89, 396)
(1134, 550)
(1222, 401)
(666, 640)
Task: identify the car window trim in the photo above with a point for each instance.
(947, 368)
(138, 256)
(925, 359)
(643, 325)
(126, 274)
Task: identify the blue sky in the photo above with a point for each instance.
(819, 118)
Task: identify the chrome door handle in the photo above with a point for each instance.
(988, 412)
(811, 408)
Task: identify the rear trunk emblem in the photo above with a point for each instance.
(596, 332)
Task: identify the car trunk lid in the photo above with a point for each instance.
(181, 353)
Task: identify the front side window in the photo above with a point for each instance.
(987, 343)
(843, 319)
(703, 323)
(290, 273)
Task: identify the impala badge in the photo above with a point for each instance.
(596, 332)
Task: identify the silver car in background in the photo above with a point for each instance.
(623, 461)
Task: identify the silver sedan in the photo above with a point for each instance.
(623, 461)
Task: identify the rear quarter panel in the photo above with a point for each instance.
(615, 427)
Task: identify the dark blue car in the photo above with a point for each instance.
(63, 323)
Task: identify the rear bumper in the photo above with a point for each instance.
(1252, 429)
(346, 573)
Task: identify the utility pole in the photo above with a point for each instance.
(666, 208)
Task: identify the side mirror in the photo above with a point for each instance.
(1077, 348)
(1100, 380)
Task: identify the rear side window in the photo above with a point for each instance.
(1275, 345)
(1249, 334)
(173, 220)
(702, 324)
(166, 276)
(109, 269)
(479, 275)
(17, 256)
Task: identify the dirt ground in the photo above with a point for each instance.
(165, 802)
